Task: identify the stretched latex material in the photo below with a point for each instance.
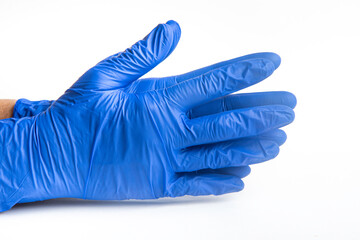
(115, 136)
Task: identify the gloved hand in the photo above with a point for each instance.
(115, 136)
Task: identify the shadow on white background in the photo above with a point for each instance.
(68, 203)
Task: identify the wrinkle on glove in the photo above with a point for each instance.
(114, 136)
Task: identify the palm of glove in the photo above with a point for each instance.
(133, 138)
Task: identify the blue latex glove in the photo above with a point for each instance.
(113, 136)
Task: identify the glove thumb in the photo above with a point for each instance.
(119, 70)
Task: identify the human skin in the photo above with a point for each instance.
(7, 108)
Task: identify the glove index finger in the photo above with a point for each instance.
(223, 80)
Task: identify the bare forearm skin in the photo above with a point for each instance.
(7, 108)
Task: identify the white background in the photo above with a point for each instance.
(310, 191)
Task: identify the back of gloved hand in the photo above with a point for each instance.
(115, 136)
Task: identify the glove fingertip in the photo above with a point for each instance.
(174, 26)
(273, 57)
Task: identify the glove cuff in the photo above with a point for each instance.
(26, 108)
